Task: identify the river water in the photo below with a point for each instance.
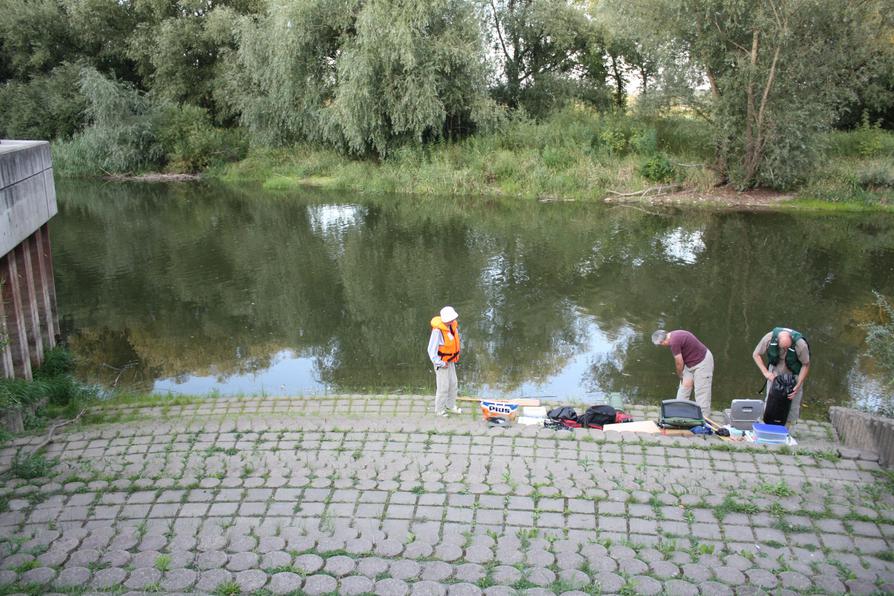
(204, 288)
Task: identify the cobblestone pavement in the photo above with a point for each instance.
(250, 499)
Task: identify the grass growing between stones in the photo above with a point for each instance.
(32, 466)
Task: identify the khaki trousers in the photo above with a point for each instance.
(445, 395)
(698, 377)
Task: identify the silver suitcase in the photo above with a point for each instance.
(744, 412)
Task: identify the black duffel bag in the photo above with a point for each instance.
(562, 413)
(778, 404)
(598, 416)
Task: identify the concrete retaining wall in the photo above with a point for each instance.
(28, 292)
(866, 432)
(27, 192)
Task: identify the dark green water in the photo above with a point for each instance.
(201, 288)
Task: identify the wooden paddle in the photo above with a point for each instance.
(521, 402)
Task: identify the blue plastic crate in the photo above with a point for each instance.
(769, 433)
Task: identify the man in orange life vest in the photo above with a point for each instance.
(443, 351)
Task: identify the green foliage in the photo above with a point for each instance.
(18, 393)
(228, 588)
(778, 73)
(731, 505)
(877, 176)
(283, 75)
(183, 52)
(880, 346)
(53, 387)
(423, 79)
(868, 140)
(120, 137)
(57, 361)
(31, 466)
(551, 158)
(48, 106)
(34, 37)
(162, 562)
(548, 52)
(779, 489)
(191, 143)
(658, 168)
(365, 77)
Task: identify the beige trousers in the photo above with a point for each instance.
(698, 377)
(445, 395)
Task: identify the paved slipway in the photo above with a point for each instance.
(363, 495)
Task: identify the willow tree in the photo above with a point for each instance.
(178, 47)
(775, 72)
(363, 76)
(413, 71)
(283, 75)
(546, 51)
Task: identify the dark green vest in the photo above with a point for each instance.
(791, 356)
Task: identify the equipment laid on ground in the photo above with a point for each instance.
(641, 426)
(778, 403)
(595, 417)
(772, 434)
(742, 413)
(532, 415)
(716, 428)
(518, 402)
(598, 416)
(680, 413)
(499, 409)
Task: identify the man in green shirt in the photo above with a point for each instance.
(786, 351)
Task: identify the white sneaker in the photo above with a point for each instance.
(455, 410)
(442, 413)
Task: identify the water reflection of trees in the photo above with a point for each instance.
(215, 280)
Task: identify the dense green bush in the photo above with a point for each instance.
(32, 466)
(131, 132)
(877, 176)
(658, 168)
(190, 141)
(53, 383)
(49, 106)
(56, 362)
(120, 137)
(867, 140)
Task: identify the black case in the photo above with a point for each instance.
(680, 413)
(778, 404)
(777, 409)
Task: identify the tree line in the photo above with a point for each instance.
(125, 85)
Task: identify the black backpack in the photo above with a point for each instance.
(562, 413)
(598, 416)
(778, 404)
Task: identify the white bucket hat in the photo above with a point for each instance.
(448, 314)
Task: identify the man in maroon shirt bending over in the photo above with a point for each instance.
(695, 365)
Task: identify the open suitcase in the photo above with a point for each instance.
(680, 413)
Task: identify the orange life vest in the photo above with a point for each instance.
(449, 351)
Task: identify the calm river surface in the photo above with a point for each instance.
(201, 288)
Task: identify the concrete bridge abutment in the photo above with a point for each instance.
(28, 312)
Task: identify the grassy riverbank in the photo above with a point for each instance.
(575, 155)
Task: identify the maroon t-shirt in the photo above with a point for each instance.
(684, 343)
